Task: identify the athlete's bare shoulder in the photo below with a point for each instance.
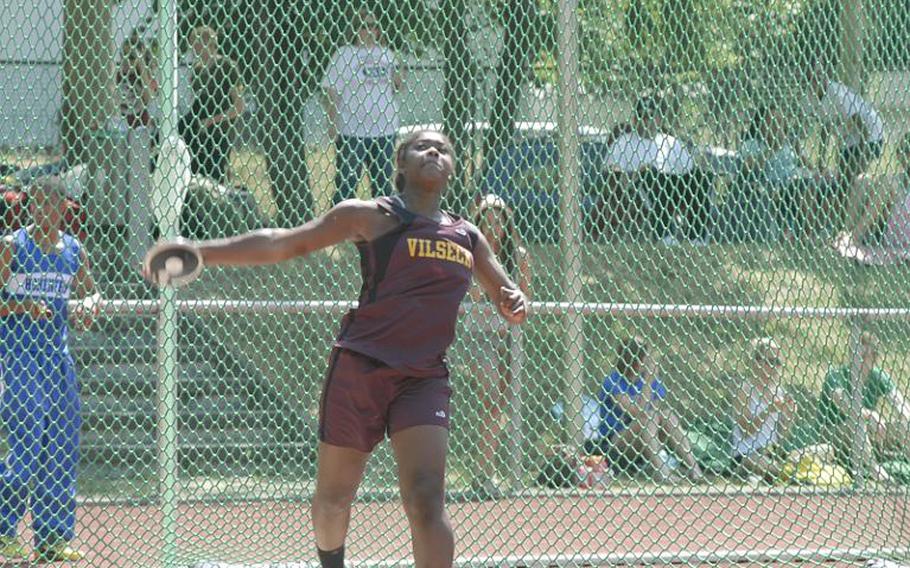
(474, 231)
(371, 219)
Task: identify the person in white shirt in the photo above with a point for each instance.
(631, 156)
(663, 172)
(763, 414)
(882, 233)
(860, 131)
(360, 85)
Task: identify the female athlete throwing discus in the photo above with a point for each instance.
(387, 372)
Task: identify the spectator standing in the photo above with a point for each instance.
(360, 86)
(208, 129)
(891, 210)
(487, 335)
(136, 82)
(39, 265)
(860, 133)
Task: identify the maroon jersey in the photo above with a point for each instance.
(414, 279)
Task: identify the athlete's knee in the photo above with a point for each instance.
(424, 499)
(332, 502)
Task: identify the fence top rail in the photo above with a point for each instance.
(151, 307)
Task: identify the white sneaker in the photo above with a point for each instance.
(883, 563)
(669, 241)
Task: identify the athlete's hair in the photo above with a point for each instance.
(631, 351)
(403, 147)
(508, 246)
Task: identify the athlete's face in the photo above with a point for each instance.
(47, 210)
(427, 161)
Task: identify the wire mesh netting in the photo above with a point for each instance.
(707, 203)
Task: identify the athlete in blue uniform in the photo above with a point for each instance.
(39, 406)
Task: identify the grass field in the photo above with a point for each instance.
(696, 356)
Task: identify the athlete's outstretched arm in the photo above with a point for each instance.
(270, 246)
(508, 297)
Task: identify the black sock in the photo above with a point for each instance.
(331, 558)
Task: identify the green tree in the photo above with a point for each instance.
(88, 71)
(682, 34)
(521, 29)
(282, 49)
(460, 73)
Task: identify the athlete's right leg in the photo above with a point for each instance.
(419, 431)
(351, 423)
(339, 473)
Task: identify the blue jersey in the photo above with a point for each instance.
(612, 418)
(40, 276)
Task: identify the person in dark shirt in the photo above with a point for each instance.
(387, 372)
(217, 103)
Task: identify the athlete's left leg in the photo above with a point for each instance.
(421, 455)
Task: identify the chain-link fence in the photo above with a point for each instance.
(708, 203)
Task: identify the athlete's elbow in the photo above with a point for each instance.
(284, 248)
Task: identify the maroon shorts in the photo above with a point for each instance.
(364, 399)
